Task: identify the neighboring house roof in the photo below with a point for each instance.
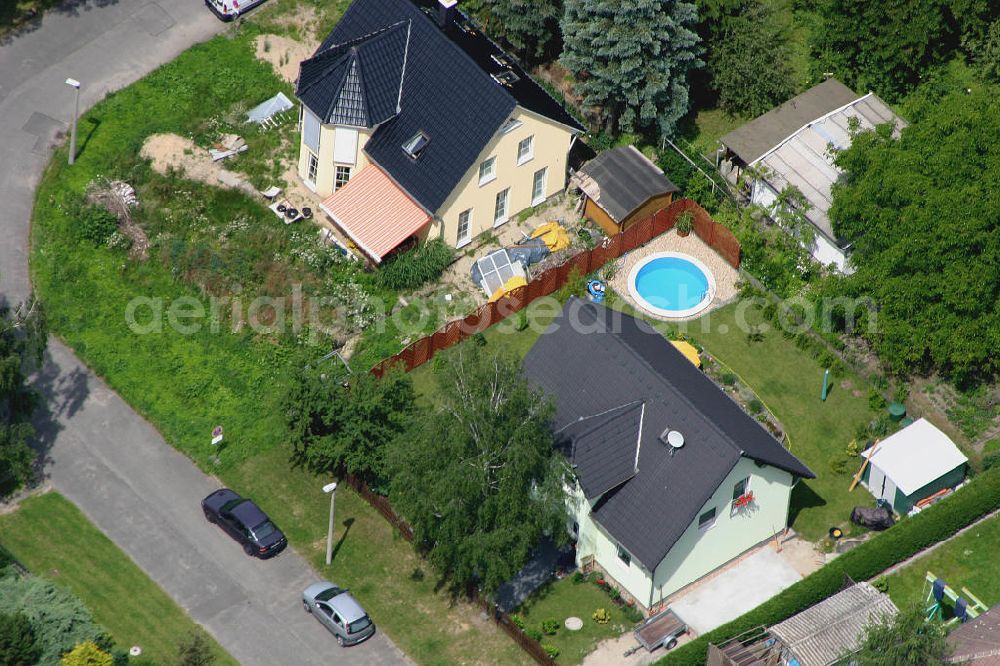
(833, 628)
(917, 455)
(760, 135)
(374, 212)
(447, 91)
(357, 82)
(591, 360)
(621, 180)
(792, 143)
(977, 642)
(604, 448)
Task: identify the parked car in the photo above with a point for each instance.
(339, 612)
(244, 521)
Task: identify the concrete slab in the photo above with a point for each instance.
(735, 591)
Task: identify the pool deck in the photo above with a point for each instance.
(725, 275)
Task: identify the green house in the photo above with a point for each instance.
(913, 464)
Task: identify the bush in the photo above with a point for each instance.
(756, 406)
(95, 224)
(550, 650)
(18, 645)
(533, 633)
(991, 460)
(601, 616)
(550, 627)
(87, 654)
(517, 620)
(864, 562)
(195, 650)
(578, 577)
(413, 269)
(728, 378)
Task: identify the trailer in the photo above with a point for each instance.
(227, 10)
(664, 629)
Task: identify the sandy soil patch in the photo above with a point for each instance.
(284, 54)
(304, 19)
(725, 275)
(170, 151)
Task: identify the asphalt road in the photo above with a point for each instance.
(98, 452)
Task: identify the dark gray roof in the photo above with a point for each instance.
(447, 91)
(977, 642)
(752, 140)
(824, 633)
(604, 448)
(592, 359)
(357, 82)
(626, 180)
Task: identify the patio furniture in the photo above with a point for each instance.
(282, 209)
(271, 192)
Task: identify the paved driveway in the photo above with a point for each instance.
(735, 591)
(100, 454)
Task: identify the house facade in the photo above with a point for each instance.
(464, 137)
(671, 478)
(794, 146)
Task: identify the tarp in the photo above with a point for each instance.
(510, 285)
(265, 110)
(529, 251)
(555, 236)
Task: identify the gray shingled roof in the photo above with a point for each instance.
(625, 180)
(604, 448)
(357, 82)
(752, 140)
(446, 91)
(592, 359)
(822, 634)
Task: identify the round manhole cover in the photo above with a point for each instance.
(574, 623)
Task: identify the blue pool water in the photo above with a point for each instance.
(671, 283)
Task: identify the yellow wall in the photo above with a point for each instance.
(327, 168)
(551, 150)
(596, 214)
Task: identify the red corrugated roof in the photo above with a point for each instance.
(374, 212)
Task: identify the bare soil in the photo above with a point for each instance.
(284, 54)
(172, 152)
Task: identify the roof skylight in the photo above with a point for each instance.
(414, 147)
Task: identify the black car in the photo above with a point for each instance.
(244, 521)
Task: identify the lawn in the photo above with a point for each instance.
(50, 536)
(568, 598)
(398, 589)
(967, 561)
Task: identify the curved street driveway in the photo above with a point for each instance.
(99, 453)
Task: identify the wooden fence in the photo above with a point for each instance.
(381, 504)
(715, 235)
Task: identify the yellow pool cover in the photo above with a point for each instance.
(554, 235)
(511, 284)
(688, 350)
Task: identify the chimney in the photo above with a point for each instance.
(446, 12)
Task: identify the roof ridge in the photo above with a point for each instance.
(348, 47)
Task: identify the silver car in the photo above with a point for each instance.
(339, 612)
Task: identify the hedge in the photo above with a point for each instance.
(864, 562)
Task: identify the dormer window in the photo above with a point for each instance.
(414, 147)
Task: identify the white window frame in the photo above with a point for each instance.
(704, 527)
(336, 176)
(529, 154)
(467, 215)
(312, 169)
(487, 171)
(624, 556)
(539, 198)
(510, 126)
(500, 218)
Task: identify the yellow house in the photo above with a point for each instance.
(415, 125)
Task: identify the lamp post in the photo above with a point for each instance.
(76, 112)
(331, 489)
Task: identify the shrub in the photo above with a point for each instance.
(18, 644)
(601, 616)
(756, 406)
(632, 614)
(875, 398)
(550, 650)
(728, 378)
(416, 267)
(517, 620)
(550, 627)
(865, 561)
(685, 222)
(533, 633)
(87, 654)
(95, 224)
(991, 460)
(881, 584)
(578, 577)
(195, 650)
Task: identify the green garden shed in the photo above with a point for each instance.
(913, 464)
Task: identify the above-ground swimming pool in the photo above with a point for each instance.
(671, 284)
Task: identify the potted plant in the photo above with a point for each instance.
(685, 223)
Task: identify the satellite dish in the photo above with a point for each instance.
(675, 439)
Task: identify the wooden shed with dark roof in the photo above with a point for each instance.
(621, 187)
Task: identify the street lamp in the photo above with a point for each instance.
(76, 112)
(331, 489)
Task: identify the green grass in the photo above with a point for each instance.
(398, 589)
(967, 561)
(50, 536)
(565, 598)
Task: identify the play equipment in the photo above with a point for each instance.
(966, 607)
(595, 290)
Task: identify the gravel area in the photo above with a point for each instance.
(725, 275)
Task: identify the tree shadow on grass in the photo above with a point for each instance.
(803, 497)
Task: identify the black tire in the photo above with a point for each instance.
(305, 607)
(340, 640)
(248, 549)
(671, 644)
